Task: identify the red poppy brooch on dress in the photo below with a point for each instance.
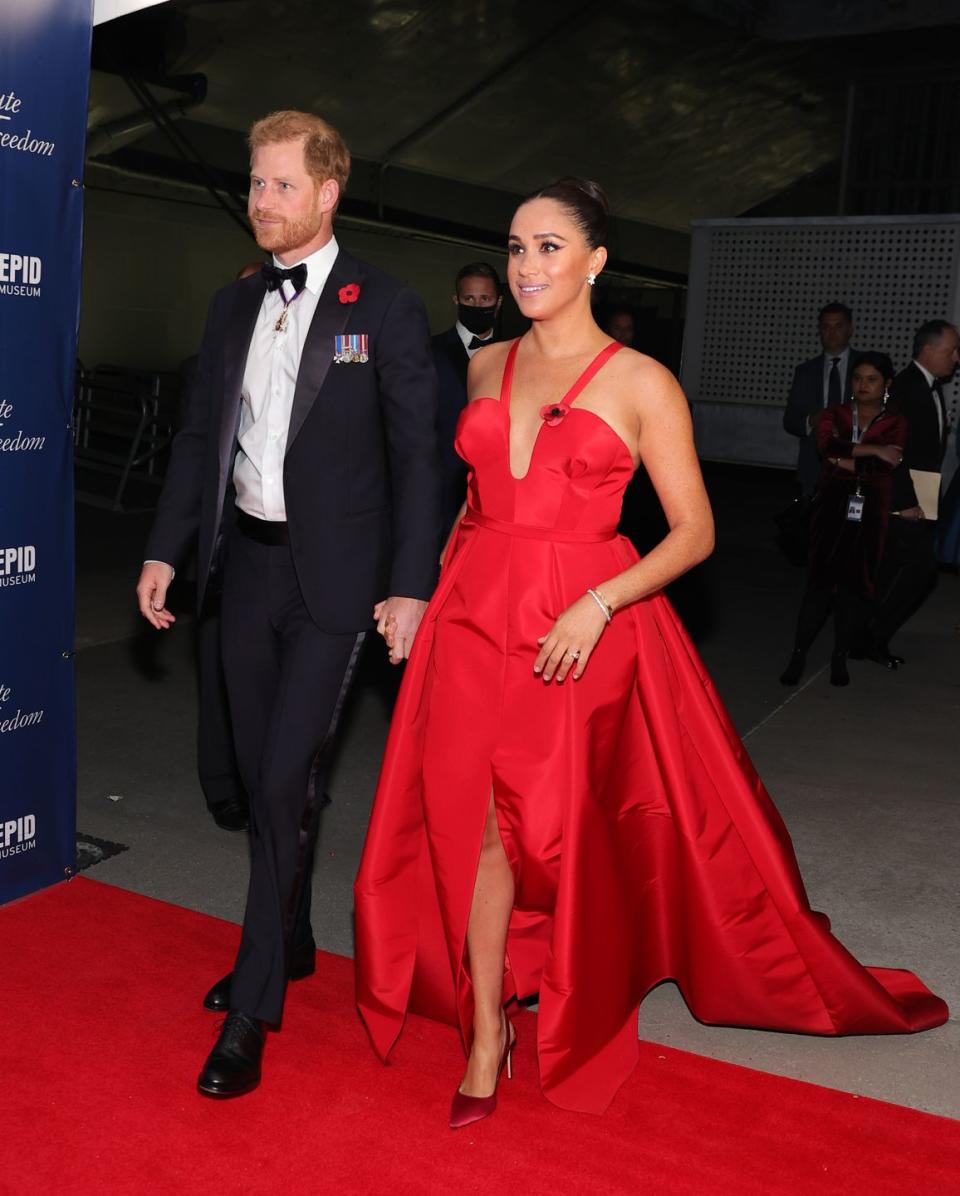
(553, 413)
(350, 293)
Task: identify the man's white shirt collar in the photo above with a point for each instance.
(319, 264)
(931, 378)
(467, 336)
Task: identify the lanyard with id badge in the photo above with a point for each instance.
(856, 500)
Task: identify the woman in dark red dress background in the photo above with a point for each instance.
(860, 446)
(564, 807)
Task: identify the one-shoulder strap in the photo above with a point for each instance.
(591, 371)
(506, 383)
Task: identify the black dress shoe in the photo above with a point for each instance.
(878, 651)
(233, 1066)
(303, 963)
(888, 659)
(881, 654)
(231, 814)
(794, 670)
(838, 669)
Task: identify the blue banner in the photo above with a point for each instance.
(44, 79)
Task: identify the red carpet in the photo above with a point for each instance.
(104, 1035)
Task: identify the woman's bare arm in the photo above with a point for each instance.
(667, 451)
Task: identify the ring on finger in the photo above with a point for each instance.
(573, 653)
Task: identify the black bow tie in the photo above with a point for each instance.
(274, 277)
(477, 343)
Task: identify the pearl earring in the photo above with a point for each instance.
(591, 279)
(886, 396)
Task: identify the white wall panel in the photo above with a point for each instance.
(755, 289)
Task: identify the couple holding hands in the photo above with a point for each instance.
(564, 808)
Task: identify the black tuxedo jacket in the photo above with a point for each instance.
(360, 478)
(451, 360)
(804, 400)
(911, 396)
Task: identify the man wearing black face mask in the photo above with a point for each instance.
(477, 300)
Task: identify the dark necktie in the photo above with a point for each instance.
(834, 395)
(477, 343)
(274, 277)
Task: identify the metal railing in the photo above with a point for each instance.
(123, 423)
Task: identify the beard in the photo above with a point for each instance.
(285, 235)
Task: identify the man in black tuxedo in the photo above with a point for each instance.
(308, 467)
(910, 565)
(823, 381)
(477, 297)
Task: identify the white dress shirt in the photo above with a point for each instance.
(842, 359)
(934, 397)
(467, 336)
(269, 382)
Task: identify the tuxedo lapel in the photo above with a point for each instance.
(329, 318)
(239, 333)
(815, 383)
(927, 401)
(458, 354)
(943, 427)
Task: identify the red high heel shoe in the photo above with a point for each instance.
(467, 1109)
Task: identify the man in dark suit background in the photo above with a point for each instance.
(910, 565)
(307, 466)
(477, 296)
(823, 381)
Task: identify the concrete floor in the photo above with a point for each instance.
(865, 777)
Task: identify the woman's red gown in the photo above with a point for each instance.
(643, 844)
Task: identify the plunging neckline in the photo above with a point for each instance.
(568, 400)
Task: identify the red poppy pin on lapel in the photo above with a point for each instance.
(350, 293)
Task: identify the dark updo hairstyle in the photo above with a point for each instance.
(584, 201)
(880, 362)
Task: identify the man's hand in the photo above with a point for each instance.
(397, 621)
(155, 579)
(912, 513)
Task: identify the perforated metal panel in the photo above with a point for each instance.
(755, 289)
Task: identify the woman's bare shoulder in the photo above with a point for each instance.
(648, 381)
(485, 370)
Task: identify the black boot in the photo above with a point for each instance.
(303, 963)
(233, 1066)
(882, 655)
(838, 669)
(794, 670)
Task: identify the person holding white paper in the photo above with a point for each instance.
(910, 568)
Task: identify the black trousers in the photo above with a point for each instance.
(908, 574)
(849, 617)
(286, 681)
(216, 755)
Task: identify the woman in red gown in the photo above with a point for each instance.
(564, 807)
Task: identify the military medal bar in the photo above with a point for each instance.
(350, 347)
